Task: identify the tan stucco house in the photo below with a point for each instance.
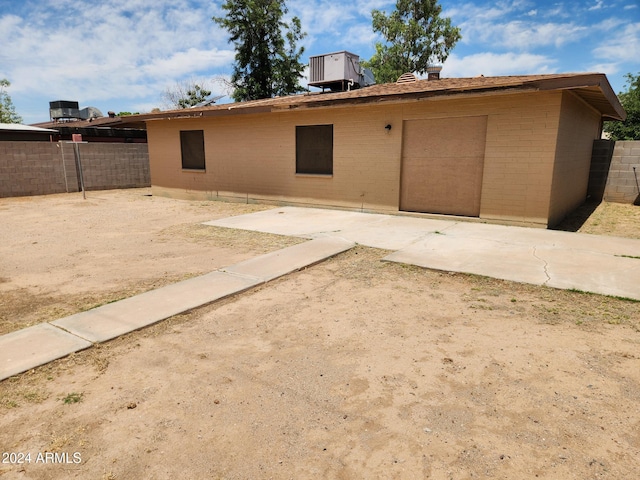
(512, 150)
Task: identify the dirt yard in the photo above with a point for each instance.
(354, 368)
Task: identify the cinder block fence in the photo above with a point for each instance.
(623, 181)
(40, 168)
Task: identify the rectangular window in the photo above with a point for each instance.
(314, 149)
(192, 146)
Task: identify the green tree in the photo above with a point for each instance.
(194, 96)
(186, 94)
(267, 61)
(7, 110)
(415, 37)
(630, 100)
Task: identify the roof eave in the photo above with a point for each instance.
(605, 100)
(589, 80)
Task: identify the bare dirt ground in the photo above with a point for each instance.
(354, 368)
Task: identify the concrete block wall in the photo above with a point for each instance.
(622, 186)
(114, 165)
(41, 168)
(30, 168)
(601, 155)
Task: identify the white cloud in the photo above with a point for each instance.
(558, 12)
(609, 24)
(522, 34)
(624, 46)
(606, 68)
(597, 6)
(492, 64)
(360, 35)
(101, 50)
(512, 25)
(191, 60)
(526, 35)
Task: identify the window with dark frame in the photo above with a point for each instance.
(192, 147)
(314, 149)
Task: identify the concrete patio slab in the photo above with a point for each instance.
(593, 272)
(492, 258)
(592, 263)
(34, 346)
(290, 259)
(548, 238)
(389, 232)
(293, 221)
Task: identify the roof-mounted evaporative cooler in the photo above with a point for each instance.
(68, 110)
(339, 71)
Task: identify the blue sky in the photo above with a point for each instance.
(121, 55)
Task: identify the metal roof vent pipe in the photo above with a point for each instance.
(433, 72)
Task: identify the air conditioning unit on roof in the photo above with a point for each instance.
(338, 71)
(63, 109)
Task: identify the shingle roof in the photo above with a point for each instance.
(594, 88)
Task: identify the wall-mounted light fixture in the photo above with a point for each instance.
(388, 127)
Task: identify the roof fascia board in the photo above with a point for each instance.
(404, 97)
(233, 109)
(598, 80)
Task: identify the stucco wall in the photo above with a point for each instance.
(252, 157)
(579, 127)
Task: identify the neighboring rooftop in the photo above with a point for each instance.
(14, 132)
(126, 121)
(16, 127)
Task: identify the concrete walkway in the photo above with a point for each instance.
(591, 263)
(34, 346)
(598, 264)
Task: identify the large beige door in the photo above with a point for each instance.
(442, 162)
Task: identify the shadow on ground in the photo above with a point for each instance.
(578, 217)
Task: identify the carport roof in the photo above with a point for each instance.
(593, 88)
(16, 127)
